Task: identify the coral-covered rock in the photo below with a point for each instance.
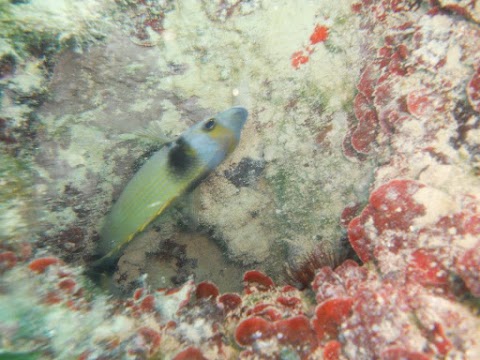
(8, 260)
(256, 280)
(206, 290)
(253, 329)
(148, 338)
(294, 332)
(391, 207)
(190, 353)
(365, 133)
(329, 315)
(414, 296)
(395, 353)
(425, 269)
(468, 266)
(332, 350)
(409, 226)
(339, 283)
(473, 91)
(229, 302)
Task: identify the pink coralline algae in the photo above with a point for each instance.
(415, 75)
(418, 234)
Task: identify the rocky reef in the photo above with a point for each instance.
(363, 133)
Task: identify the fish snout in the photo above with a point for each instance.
(240, 112)
(235, 118)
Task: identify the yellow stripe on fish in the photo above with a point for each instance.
(173, 170)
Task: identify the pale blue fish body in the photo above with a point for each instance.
(173, 170)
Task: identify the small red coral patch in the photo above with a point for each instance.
(332, 350)
(8, 260)
(295, 331)
(468, 266)
(473, 91)
(419, 103)
(425, 269)
(320, 34)
(396, 353)
(148, 303)
(329, 315)
(257, 279)
(67, 285)
(151, 338)
(230, 301)
(40, 265)
(206, 290)
(392, 207)
(253, 329)
(190, 353)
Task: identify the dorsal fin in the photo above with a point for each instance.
(154, 133)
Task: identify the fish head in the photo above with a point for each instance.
(214, 138)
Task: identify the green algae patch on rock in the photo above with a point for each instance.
(17, 205)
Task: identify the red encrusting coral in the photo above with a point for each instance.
(295, 332)
(348, 213)
(332, 350)
(468, 267)
(301, 57)
(206, 290)
(255, 279)
(416, 294)
(8, 260)
(425, 269)
(391, 207)
(229, 302)
(190, 353)
(473, 91)
(253, 329)
(148, 303)
(68, 285)
(395, 353)
(329, 315)
(366, 131)
(150, 339)
(41, 264)
(320, 34)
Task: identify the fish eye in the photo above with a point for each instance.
(209, 125)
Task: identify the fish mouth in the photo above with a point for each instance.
(235, 118)
(240, 112)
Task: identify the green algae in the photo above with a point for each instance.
(16, 198)
(31, 355)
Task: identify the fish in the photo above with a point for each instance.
(177, 168)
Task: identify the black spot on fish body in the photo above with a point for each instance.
(181, 157)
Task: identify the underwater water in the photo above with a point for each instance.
(140, 218)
